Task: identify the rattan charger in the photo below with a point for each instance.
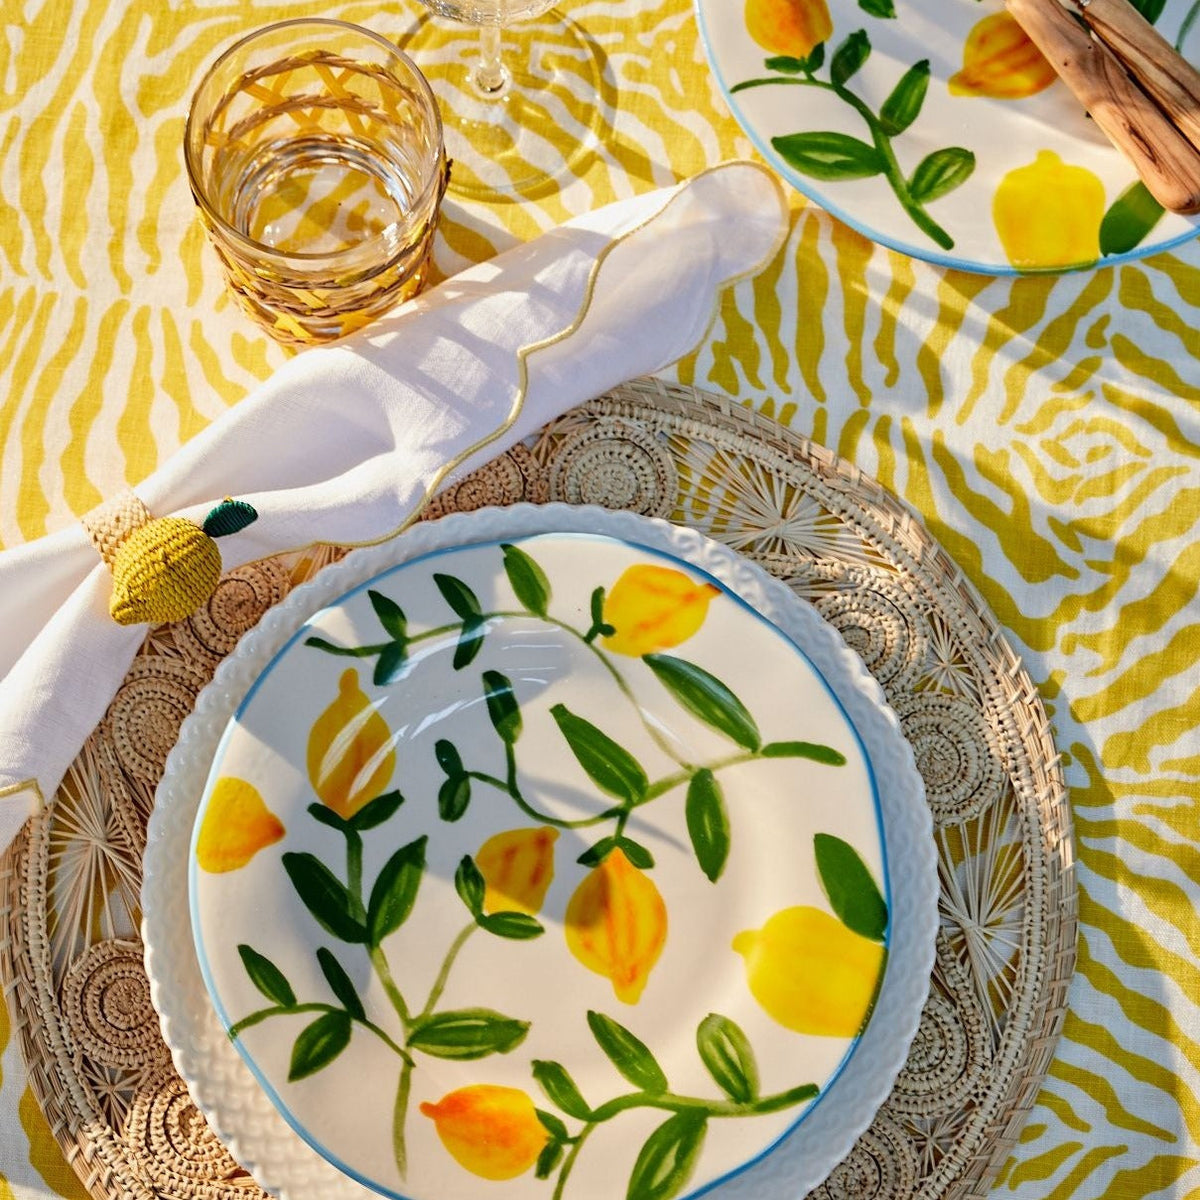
(71, 961)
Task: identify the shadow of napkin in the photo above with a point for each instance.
(345, 442)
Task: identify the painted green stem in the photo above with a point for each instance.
(670, 1102)
(882, 142)
(622, 813)
(282, 1010)
(529, 810)
(568, 1163)
(400, 1119)
(384, 972)
(668, 782)
(354, 854)
(439, 984)
(713, 1108)
(377, 648)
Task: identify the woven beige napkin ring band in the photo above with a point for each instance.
(164, 568)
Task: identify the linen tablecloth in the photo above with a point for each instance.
(1046, 429)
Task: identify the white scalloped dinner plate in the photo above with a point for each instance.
(825, 141)
(305, 1093)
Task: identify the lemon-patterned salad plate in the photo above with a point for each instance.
(936, 128)
(543, 853)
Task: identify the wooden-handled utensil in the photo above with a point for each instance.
(1160, 70)
(1108, 85)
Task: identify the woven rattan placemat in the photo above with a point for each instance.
(70, 957)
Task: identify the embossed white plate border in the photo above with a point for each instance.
(221, 1084)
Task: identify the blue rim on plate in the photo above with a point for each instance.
(427, 695)
(954, 149)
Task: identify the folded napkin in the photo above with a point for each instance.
(345, 442)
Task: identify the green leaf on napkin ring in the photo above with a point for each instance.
(164, 568)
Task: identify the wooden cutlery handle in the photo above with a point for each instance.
(1167, 162)
(1171, 81)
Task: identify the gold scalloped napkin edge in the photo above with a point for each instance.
(346, 442)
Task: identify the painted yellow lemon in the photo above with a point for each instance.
(1048, 213)
(492, 1131)
(810, 972)
(517, 867)
(788, 26)
(350, 755)
(237, 824)
(616, 925)
(1000, 61)
(653, 608)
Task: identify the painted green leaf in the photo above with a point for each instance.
(849, 57)
(706, 698)
(329, 647)
(939, 173)
(903, 106)
(448, 757)
(470, 642)
(1130, 217)
(391, 615)
(600, 627)
(594, 855)
(453, 797)
(814, 750)
(1150, 9)
(628, 1053)
(853, 894)
(390, 664)
(326, 816)
(266, 976)
(553, 1126)
(637, 854)
(547, 1160)
(319, 1044)
(610, 767)
(228, 517)
(597, 606)
(878, 8)
(726, 1052)
(560, 1089)
(707, 823)
(516, 925)
(374, 813)
(466, 1033)
(456, 594)
(665, 1163)
(786, 64)
(528, 580)
(502, 706)
(826, 154)
(470, 884)
(395, 890)
(340, 983)
(324, 895)
(815, 58)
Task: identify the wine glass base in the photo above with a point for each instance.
(534, 131)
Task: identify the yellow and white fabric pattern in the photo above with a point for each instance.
(1046, 429)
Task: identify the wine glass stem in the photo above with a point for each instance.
(491, 75)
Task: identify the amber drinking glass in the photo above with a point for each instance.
(314, 151)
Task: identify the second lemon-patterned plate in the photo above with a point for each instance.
(936, 128)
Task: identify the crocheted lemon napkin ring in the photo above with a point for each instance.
(163, 568)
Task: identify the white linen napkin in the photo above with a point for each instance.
(345, 442)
